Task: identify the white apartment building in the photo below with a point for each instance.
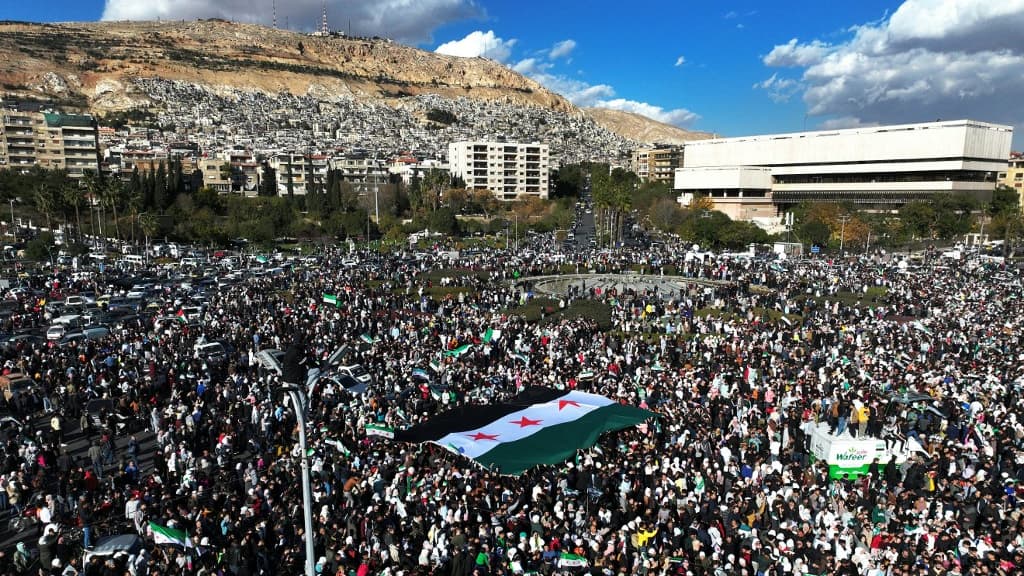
(884, 166)
(508, 169)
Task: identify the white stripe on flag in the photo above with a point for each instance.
(517, 425)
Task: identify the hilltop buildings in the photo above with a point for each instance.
(657, 164)
(752, 178)
(49, 140)
(508, 169)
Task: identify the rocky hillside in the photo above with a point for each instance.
(93, 63)
(194, 74)
(642, 129)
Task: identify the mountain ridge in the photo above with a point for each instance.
(97, 66)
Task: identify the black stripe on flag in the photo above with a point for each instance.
(472, 417)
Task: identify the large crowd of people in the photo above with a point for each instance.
(738, 368)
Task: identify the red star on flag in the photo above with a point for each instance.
(481, 436)
(524, 422)
(564, 403)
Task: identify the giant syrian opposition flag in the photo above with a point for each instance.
(538, 426)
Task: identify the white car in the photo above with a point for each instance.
(56, 332)
(357, 373)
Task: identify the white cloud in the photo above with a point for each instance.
(588, 95)
(730, 15)
(406, 21)
(779, 89)
(477, 43)
(929, 59)
(676, 117)
(562, 49)
(793, 54)
(680, 61)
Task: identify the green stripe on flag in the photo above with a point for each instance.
(168, 535)
(367, 338)
(490, 335)
(459, 351)
(330, 299)
(378, 430)
(567, 560)
(555, 444)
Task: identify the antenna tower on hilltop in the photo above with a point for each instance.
(274, 9)
(323, 20)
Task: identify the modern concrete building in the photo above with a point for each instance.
(1013, 176)
(49, 140)
(877, 167)
(657, 164)
(508, 169)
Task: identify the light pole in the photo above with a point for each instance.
(842, 234)
(516, 214)
(14, 227)
(299, 405)
(145, 235)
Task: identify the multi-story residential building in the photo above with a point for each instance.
(884, 167)
(657, 164)
(302, 171)
(361, 170)
(49, 140)
(508, 169)
(1013, 177)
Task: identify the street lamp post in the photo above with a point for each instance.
(14, 227)
(299, 405)
(842, 234)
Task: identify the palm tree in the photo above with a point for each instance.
(110, 196)
(93, 189)
(73, 196)
(45, 201)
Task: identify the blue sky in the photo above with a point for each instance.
(734, 68)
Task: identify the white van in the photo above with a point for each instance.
(190, 262)
(135, 259)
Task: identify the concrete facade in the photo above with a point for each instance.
(508, 169)
(877, 166)
(49, 140)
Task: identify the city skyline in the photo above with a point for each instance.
(735, 69)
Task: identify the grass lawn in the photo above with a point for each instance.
(592, 309)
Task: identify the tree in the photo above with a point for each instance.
(290, 180)
(111, 197)
(74, 196)
(268, 181)
(456, 198)
(918, 217)
(443, 220)
(665, 214)
(434, 184)
(814, 232)
(1005, 200)
(45, 200)
(567, 181)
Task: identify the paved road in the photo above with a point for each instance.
(78, 446)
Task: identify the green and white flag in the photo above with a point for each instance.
(567, 560)
(490, 335)
(261, 259)
(380, 430)
(338, 446)
(459, 351)
(330, 299)
(436, 366)
(168, 535)
(538, 426)
(521, 357)
(367, 338)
